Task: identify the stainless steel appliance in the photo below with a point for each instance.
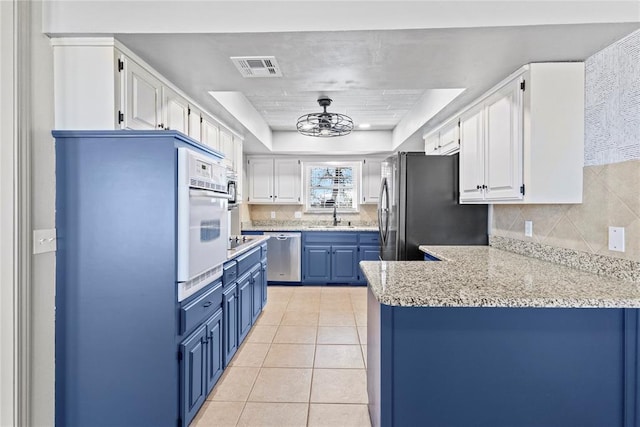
(202, 221)
(284, 257)
(419, 206)
(232, 190)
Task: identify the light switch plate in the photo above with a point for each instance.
(273, 215)
(298, 214)
(44, 241)
(528, 228)
(616, 239)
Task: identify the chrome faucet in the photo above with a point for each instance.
(336, 221)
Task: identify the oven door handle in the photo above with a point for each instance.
(208, 193)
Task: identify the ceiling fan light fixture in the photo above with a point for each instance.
(324, 124)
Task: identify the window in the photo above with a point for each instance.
(329, 184)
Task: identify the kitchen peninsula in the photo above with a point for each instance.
(487, 337)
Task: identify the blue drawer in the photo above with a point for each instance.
(369, 238)
(194, 313)
(230, 272)
(331, 238)
(248, 260)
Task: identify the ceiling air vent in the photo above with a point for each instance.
(257, 66)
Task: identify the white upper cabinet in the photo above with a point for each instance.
(210, 133)
(503, 143)
(523, 142)
(472, 154)
(175, 111)
(431, 143)
(275, 181)
(226, 146)
(444, 141)
(142, 105)
(287, 181)
(371, 178)
(195, 123)
(260, 180)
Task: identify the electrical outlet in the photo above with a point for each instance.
(528, 228)
(273, 215)
(616, 239)
(297, 214)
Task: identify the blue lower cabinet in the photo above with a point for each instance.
(245, 299)
(193, 369)
(317, 263)
(367, 253)
(264, 283)
(344, 264)
(256, 290)
(214, 349)
(230, 323)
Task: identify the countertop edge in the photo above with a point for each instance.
(233, 253)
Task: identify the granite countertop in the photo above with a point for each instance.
(252, 242)
(300, 227)
(482, 276)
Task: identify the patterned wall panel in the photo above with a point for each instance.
(612, 103)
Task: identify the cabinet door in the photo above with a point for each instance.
(264, 284)
(371, 178)
(367, 253)
(471, 155)
(214, 349)
(260, 180)
(239, 162)
(195, 123)
(287, 179)
(210, 134)
(317, 263)
(230, 322)
(193, 368)
(256, 286)
(449, 139)
(245, 299)
(175, 111)
(226, 146)
(431, 144)
(142, 98)
(344, 261)
(503, 143)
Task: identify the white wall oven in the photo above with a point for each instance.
(202, 221)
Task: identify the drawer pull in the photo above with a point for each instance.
(207, 304)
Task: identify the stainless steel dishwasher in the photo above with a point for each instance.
(284, 257)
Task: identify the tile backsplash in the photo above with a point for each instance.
(259, 213)
(611, 197)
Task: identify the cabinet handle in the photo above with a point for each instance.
(271, 197)
(484, 186)
(275, 197)
(207, 304)
(478, 187)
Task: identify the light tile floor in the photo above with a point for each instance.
(303, 364)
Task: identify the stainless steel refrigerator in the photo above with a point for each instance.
(419, 206)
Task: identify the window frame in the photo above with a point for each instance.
(357, 184)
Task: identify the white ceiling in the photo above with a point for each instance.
(376, 76)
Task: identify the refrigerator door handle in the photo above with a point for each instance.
(384, 196)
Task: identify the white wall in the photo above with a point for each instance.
(232, 17)
(357, 142)
(43, 217)
(6, 215)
